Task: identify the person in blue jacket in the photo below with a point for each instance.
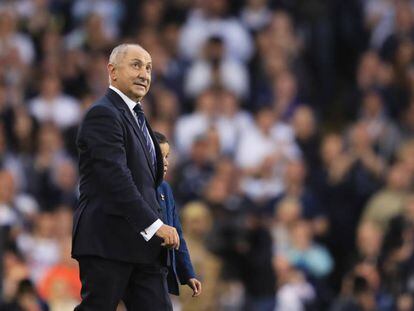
(181, 270)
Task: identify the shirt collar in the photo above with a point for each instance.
(130, 103)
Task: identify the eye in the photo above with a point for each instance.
(136, 65)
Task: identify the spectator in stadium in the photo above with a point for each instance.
(285, 95)
(304, 253)
(190, 126)
(255, 14)
(295, 292)
(9, 216)
(264, 164)
(40, 245)
(295, 188)
(254, 257)
(307, 137)
(389, 201)
(197, 223)
(39, 171)
(212, 18)
(194, 173)
(368, 242)
(60, 285)
(26, 298)
(54, 106)
(382, 130)
(214, 69)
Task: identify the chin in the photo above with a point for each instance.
(140, 95)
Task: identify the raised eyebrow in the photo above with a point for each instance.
(140, 62)
(136, 60)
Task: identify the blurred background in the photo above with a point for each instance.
(291, 124)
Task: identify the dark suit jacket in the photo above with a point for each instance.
(180, 268)
(117, 186)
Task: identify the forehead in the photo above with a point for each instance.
(165, 147)
(136, 52)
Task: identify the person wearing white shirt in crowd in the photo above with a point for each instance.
(210, 19)
(263, 152)
(12, 41)
(218, 109)
(53, 105)
(213, 67)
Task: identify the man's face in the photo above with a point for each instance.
(165, 150)
(132, 72)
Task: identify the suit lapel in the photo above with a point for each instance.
(160, 161)
(119, 103)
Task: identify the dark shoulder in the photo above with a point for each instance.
(103, 107)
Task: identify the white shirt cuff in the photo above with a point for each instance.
(149, 232)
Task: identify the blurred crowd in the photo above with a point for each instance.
(292, 129)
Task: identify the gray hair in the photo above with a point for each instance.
(119, 52)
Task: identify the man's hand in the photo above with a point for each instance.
(169, 235)
(195, 285)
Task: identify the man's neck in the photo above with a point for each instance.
(130, 103)
(117, 90)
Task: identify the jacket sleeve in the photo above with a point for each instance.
(101, 137)
(185, 270)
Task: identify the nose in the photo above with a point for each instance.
(143, 75)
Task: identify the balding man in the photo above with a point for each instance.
(119, 238)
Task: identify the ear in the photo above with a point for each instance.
(112, 72)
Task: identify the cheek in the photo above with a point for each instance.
(122, 79)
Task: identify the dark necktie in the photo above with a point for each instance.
(139, 114)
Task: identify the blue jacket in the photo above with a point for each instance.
(180, 268)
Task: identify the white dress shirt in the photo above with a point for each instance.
(149, 232)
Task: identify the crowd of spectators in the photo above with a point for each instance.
(291, 124)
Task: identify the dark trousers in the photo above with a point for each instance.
(106, 282)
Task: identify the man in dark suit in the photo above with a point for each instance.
(119, 237)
